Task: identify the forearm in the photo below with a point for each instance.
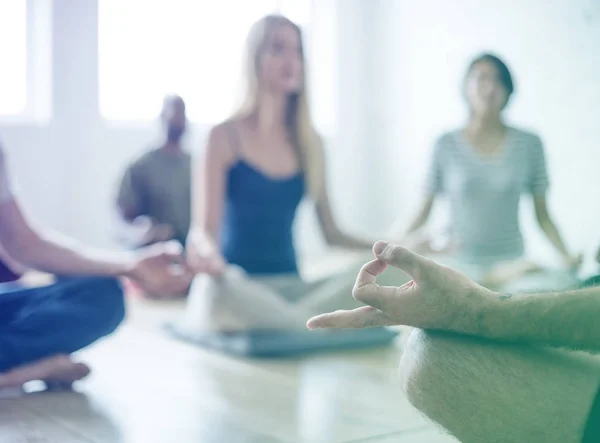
(53, 254)
(203, 241)
(551, 232)
(422, 217)
(416, 225)
(567, 319)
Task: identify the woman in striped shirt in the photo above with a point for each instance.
(483, 169)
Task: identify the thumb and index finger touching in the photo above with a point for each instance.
(380, 300)
(400, 257)
(366, 289)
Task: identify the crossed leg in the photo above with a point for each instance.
(483, 391)
(237, 301)
(41, 327)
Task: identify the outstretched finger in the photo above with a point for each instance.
(359, 318)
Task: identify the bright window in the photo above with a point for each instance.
(190, 47)
(13, 54)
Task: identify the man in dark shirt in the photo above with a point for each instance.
(155, 189)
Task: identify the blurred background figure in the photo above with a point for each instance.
(154, 194)
(258, 166)
(483, 169)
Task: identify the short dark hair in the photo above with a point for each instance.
(504, 75)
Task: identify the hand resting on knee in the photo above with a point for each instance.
(499, 380)
(441, 298)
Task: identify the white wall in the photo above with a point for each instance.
(67, 165)
(423, 48)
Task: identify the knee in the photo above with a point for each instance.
(115, 302)
(109, 304)
(423, 366)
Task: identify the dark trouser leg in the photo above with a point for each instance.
(57, 319)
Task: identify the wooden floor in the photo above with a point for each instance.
(147, 388)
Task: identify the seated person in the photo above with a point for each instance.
(511, 375)
(40, 327)
(258, 166)
(484, 169)
(155, 190)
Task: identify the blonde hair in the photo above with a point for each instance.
(298, 121)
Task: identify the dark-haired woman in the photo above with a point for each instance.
(483, 169)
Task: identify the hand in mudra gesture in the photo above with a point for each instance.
(437, 297)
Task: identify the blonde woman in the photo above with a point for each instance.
(258, 166)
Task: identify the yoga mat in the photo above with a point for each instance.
(273, 343)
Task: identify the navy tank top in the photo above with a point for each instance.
(258, 217)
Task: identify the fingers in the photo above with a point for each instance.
(369, 272)
(359, 318)
(383, 298)
(409, 262)
(367, 291)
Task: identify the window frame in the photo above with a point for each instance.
(38, 69)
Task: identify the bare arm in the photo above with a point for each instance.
(333, 234)
(422, 215)
(441, 298)
(435, 185)
(208, 193)
(547, 225)
(48, 252)
(564, 319)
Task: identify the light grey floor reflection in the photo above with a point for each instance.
(154, 422)
(337, 401)
(77, 409)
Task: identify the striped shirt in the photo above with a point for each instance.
(484, 193)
